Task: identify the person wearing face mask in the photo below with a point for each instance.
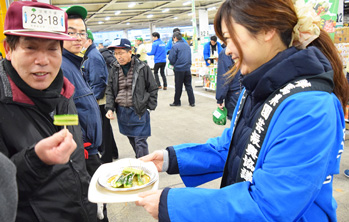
(278, 158)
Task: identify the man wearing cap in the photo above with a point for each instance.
(51, 173)
(85, 101)
(141, 51)
(131, 92)
(96, 74)
(159, 52)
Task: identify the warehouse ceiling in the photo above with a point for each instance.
(114, 15)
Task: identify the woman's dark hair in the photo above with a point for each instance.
(280, 15)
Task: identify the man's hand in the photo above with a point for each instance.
(150, 201)
(57, 148)
(110, 114)
(157, 157)
(221, 106)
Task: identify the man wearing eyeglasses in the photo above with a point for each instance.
(85, 101)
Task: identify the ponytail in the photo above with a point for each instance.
(341, 87)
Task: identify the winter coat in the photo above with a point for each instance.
(144, 88)
(108, 56)
(227, 90)
(169, 46)
(207, 51)
(180, 56)
(86, 103)
(292, 179)
(158, 51)
(46, 192)
(95, 71)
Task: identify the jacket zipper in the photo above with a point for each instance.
(75, 172)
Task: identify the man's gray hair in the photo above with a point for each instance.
(177, 35)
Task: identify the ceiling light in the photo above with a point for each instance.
(187, 3)
(132, 4)
(117, 12)
(190, 14)
(149, 16)
(128, 23)
(165, 10)
(211, 9)
(175, 18)
(107, 18)
(100, 22)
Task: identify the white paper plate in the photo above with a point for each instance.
(99, 194)
(103, 179)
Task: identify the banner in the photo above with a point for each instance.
(327, 10)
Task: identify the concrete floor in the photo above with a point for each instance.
(177, 125)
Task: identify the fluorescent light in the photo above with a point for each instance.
(165, 10)
(149, 16)
(100, 22)
(190, 14)
(211, 9)
(187, 3)
(175, 17)
(117, 12)
(128, 23)
(132, 4)
(107, 18)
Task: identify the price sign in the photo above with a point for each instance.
(42, 19)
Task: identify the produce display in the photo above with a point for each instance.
(66, 120)
(130, 177)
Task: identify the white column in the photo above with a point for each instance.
(203, 23)
(125, 34)
(152, 28)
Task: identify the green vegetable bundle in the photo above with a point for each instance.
(126, 179)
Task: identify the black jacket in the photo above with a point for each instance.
(144, 87)
(46, 193)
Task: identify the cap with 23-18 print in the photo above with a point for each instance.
(36, 19)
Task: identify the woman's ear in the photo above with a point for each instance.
(269, 34)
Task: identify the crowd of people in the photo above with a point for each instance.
(280, 89)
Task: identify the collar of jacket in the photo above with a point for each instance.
(76, 60)
(286, 66)
(137, 64)
(13, 93)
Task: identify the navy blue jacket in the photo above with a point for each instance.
(95, 71)
(227, 89)
(86, 103)
(180, 56)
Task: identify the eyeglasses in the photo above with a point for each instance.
(82, 35)
(123, 52)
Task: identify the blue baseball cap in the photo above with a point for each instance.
(120, 44)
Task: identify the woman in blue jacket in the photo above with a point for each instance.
(284, 145)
